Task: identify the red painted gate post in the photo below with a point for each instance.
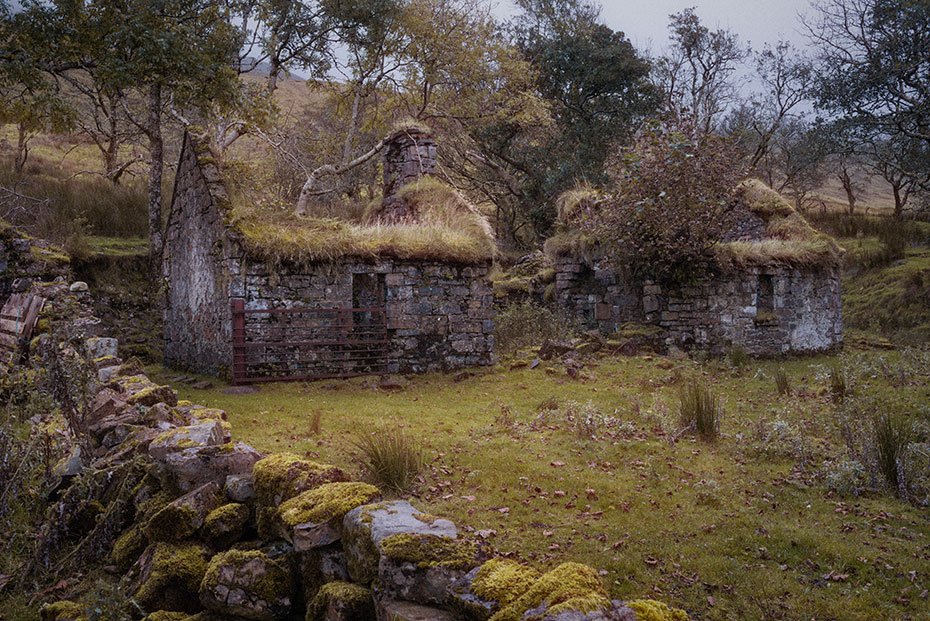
(238, 342)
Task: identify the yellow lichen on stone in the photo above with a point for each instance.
(355, 601)
(651, 610)
(172, 523)
(62, 611)
(164, 615)
(173, 565)
(503, 581)
(328, 501)
(128, 547)
(568, 587)
(272, 586)
(282, 476)
(427, 550)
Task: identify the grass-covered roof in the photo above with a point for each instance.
(788, 238)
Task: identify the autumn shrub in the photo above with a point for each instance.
(390, 458)
(700, 410)
(670, 200)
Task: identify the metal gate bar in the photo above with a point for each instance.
(287, 344)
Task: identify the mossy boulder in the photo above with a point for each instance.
(212, 433)
(192, 467)
(226, 524)
(169, 576)
(341, 601)
(320, 566)
(651, 610)
(398, 610)
(365, 527)
(249, 584)
(164, 615)
(62, 611)
(140, 390)
(314, 518)
(184, 517)
(570, 587)
(496, 584)
(128, 547)
(422, 568)
(282, 476)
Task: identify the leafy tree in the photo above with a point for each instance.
(597, 89)
(697, 73)
(670, 201)
(873, 68)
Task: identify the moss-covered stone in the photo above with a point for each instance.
(341, 600)
(327, 502)
(164, 615)
(128, 547)
(62, 611)
(226, 524)
(171, 576)
(426, 550)
(247, 583)
(172, 523)
(503, 581)
(568, 587)
(282, 476)
(651, 610)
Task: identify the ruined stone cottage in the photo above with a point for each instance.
(775, 290)
(272, 296)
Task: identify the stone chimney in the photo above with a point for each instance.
(409, 154)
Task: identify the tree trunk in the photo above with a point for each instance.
(898, 202)
(850, 191)
(22, 149)
(156, 170)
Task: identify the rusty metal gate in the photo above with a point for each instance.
(289, 344)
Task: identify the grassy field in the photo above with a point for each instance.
(549, 468)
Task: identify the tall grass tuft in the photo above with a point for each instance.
(838, 387)
(782, 382)
(891, 435)
(738, 357)
(700, 410)
(390, 458)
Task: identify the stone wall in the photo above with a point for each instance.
(439, 316)
(408, 155)
(767, 311)
(202, 525)
(197, 327)
(26, 259)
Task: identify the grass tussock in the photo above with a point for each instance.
(445, 228)
(390, 459)
(573, 203)
(700, 410)
(763, 201)
(782, 382)
(891, 435)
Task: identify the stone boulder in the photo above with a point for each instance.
(184, 517)
(313, 518)
(555, 349)
(248, 584)
(394, 610)
(140, 390)
(365, 527)
(213, 433)
(282, 476)
(240, 488)
(225, 525)
(168, 576)
(102, 347)
(422, 568)
(484, 590)
(341, 601)
(193, 467)
(320, 566)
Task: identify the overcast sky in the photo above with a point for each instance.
(645, 22)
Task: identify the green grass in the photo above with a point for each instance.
(635, 502)
(119, 246)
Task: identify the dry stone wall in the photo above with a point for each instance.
(767, 311)
(214, 530)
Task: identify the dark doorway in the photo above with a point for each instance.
(765, 296)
